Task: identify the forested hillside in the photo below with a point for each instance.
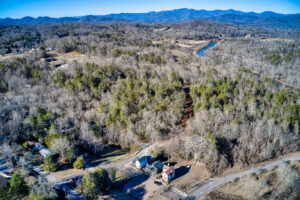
(125, 85)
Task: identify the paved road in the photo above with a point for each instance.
(208, 186)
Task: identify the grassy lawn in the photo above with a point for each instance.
(120, 177)
(67, 172)
(109, 154)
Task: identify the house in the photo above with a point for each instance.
(6, 169)
(64, 66)
(168, 173)
(35, 146)
(150, 157)
(3, 181)
(156, 167)
(141, 162)
(147, 158)
(46, 152)
(6, 166)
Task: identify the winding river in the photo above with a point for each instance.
(201, 52)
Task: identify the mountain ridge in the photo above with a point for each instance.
(266, 19)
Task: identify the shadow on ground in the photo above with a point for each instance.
(181, 171)
(131, 186)
(104, 156)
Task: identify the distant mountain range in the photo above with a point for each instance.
(265, 19)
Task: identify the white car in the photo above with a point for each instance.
(5, 175)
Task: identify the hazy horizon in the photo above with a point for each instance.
(55, 8)
(150, 12)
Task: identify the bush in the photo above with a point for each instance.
(25, 145)
(32, 72)
(43, 190)
(71, 153)
(112, 174)
(51, 163)
(37, 160)
(94, 183)
(60, 78)
(50, 138)
(79, 163)
(17, 186)
(4, 193)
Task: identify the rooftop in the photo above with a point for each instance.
(142, 159)
(168, 169)
(3, 181)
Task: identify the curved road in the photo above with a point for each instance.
(208, 186)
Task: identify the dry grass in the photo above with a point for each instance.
(249, 186)
(195, 42)
(30, 180)
(109, 154)
(195, 175)
(179, 53)
(67, 173)
(149, 186)
(278, 39)
(157, 196)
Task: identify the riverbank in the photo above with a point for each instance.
(205, 47)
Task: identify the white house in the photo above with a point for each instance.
(140, 163)
(168, 173)
(46, 152)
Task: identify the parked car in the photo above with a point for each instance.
(157, 183)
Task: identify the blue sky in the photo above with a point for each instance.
(60, 8)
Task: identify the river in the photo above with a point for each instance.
(201, 52)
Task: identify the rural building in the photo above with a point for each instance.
(6, 168)
(3, 181)
(142, 162)
(156, 167)
(168, 173)
(46, 152)
(150, 157)
(35, 146)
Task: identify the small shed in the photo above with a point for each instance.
(168, 173)
(46, 152)
(140, 163)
